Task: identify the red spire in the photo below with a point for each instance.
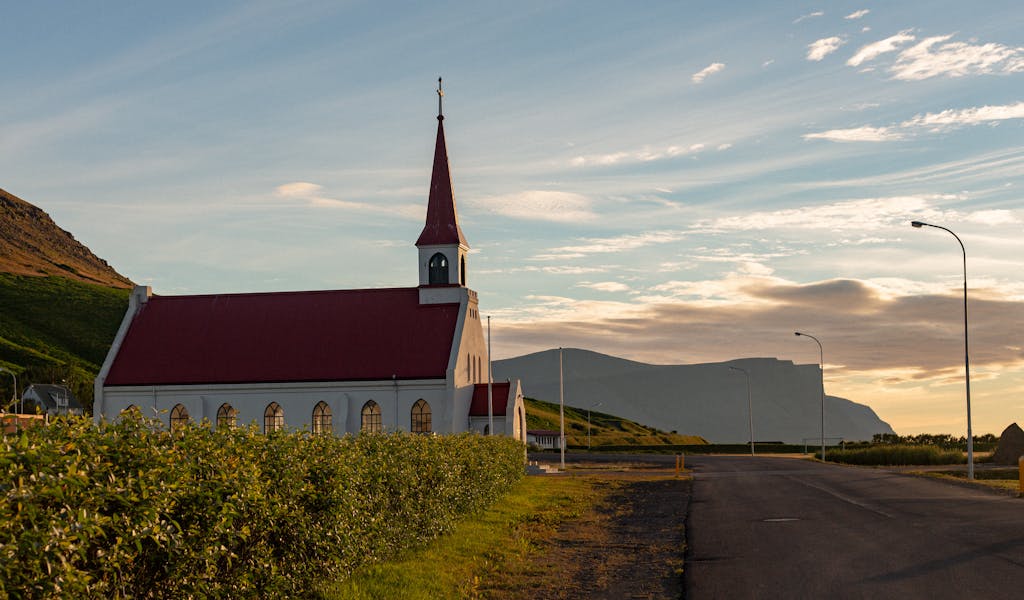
(442, 226)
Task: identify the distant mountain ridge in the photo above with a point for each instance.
(32, 244)
(708, 400)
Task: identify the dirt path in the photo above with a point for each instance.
(629, 546)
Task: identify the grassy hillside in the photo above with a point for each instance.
(54, 329)
(605, 429)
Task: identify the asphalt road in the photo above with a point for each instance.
(787, 528)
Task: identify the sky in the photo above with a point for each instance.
(670, 182)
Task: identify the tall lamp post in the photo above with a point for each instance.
(821, 364)
(561, 409)
(750, 407)
(967, 360)
(14, 397)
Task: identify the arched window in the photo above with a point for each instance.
(227, 416)
(322, 419)
(462, 270)
(437, 269)
(273, 418)
(371, 421)
(130, 411)
(421, 417)
(487, 429)
(179, 417)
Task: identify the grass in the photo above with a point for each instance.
(483, 554)
(605, 429)
(1000, 479)
(54, 328)
(895, 454)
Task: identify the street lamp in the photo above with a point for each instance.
(588, 423)
(750, 407)
(967, 360)
(821, 363)
(14, 397)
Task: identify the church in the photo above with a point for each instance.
(334, 362)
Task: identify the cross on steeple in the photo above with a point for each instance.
(440, 96)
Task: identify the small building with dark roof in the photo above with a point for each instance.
(337, 361)
(53, 400)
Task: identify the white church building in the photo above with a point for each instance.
(340, 361)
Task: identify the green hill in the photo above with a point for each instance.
(605, 429)
(54, 329)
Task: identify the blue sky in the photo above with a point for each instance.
(672, 182)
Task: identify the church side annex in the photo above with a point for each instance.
(339, 361)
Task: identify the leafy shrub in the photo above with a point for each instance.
(895, 455)
(131, 510)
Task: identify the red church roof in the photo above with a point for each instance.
(342, 335)
(499, 399)
(442, 225)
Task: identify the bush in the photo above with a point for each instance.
(895, 455)
(130, 510)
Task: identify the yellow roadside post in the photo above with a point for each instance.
(679, 464)
(1020, 474)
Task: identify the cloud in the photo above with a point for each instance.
(862, 215)
(711, 69)
(876, 49)
(864, 329)
(605, 286)
(819, 49)
(929, 123)
(311, 194)
(540, 205)
(817, 13)
(856, 134)
(646, 154)
(857, 14)
(621, 243)
(936, 56)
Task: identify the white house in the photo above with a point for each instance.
(340, 361)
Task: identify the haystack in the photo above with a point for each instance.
(1011, 446)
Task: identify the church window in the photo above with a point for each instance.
(131, 411)
(421, 417)
(179, 417)
(227, 416)
(322, 419)
(273, 418)
(487, 429)
(438, 269)
(371, 421)
(462, 270)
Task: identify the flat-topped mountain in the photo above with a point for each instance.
(709, 400)
(32, 244)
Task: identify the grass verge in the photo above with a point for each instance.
(485, 553)
(1005, 480)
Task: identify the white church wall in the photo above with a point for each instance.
(297, 400)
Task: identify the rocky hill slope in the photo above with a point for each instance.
(32, 244)
(709, 400)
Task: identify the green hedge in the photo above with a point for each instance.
(895, 454)
(130, 510)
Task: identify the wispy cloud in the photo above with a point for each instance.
(936, 56)
(605, 286)
(539, 205)
(819, 49)
(862, 215)
(621, 243)
(857, 14)
(857, 134)
(645, 154)
(929, 123)
(711, 69)
(876, 49)
(817, 13)
(312, 194)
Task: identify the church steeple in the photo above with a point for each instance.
(442, 247)
(442, 225)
